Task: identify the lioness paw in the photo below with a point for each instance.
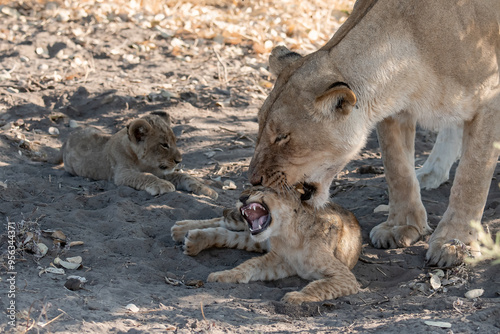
(161, 187)
(228, 276)
(431, 177)
(387, 236)
(448, 254)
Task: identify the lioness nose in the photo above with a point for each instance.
(255, 180)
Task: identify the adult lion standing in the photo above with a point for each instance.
(391, 64)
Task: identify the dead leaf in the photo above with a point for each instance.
(474, 293)
(440, 324)
(382, 208)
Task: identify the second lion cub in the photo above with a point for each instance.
(321, 245)
(142, 156)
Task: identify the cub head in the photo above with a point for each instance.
(153, 141)
(266, 212)
(309, 126)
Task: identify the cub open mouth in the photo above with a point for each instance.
(257, 217)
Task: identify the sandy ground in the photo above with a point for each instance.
(52, 80)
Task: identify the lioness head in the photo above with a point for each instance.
(309, 127)
(265, 210)
(153, 141)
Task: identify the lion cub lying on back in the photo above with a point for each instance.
(142, 156)
(316, 244)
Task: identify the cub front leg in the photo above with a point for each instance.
(143, 181)
(231, 220)
(407, 220)
(180, 228)
(338, 281)
(267, 267)
(219, 237)
(190, 183)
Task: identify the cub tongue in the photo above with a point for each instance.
(258, 223)
(254, 212)
(256, 215)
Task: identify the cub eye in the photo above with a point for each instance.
(282, 138)
(165, 146)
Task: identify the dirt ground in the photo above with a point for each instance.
(59, 70)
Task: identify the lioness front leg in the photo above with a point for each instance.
(339, 281)
(267, 267)
(143, 181)
(469, 192)
(190, 183)
(407, 220)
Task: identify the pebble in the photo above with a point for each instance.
(73, 124)
(53, 131)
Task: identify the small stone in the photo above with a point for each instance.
(73, 124)
(53, 131)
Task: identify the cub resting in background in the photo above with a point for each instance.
(142, 156)
(318, 244)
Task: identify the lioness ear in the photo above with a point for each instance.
(337, 99)
(280, 58)
(138, 130)
(162, 114)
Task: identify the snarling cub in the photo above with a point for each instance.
(321, 245)
(142, 156)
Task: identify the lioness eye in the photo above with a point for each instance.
(166, 146)
(281, 138)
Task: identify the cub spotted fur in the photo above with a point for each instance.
(321, 245)
(142, 156)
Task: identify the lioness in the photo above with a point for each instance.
(142, 156)
(391, 64)
(316, 244)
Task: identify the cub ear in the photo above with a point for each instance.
(280, 58)
(162, 114)
(138, 130)
(339, 98)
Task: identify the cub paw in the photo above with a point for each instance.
(448, 254)
(228, 276)
(161, 187)
(207, 191)
(194, 242)
(179, 230)
(387, 236)
(297, 298)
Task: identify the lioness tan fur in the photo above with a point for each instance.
(391, 64)
(142, 156)
(321, 245)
